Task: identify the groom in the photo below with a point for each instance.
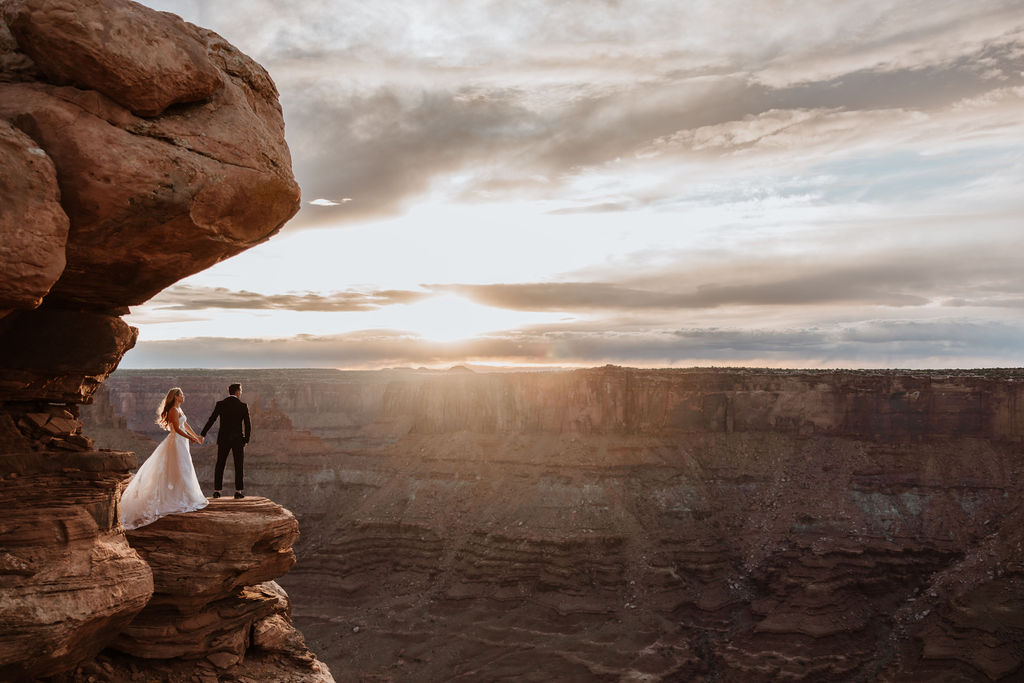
(233, 415)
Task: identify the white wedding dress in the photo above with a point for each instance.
(165, 484)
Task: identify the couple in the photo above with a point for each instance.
(166, 483)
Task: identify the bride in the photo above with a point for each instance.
(166, 483)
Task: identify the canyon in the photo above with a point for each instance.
(605, 524)
(633, 525)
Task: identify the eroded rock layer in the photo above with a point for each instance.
(215, 613)
(617, 524)
(214, 597)
(68, 579)
(136, 149)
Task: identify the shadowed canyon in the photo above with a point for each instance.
(622, 524)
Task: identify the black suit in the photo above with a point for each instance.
(234, 415)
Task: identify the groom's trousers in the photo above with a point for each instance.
(237, 449)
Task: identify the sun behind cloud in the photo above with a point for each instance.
(449, 318)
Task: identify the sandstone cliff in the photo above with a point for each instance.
(621, 524)
(135, 149)
(215, 611)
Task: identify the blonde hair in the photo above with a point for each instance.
(165, 407)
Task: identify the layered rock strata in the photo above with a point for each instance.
(215, 612)
(619, 524)
(213, 554)
(68, 579)
(373, 407)
(214, 597)
(136, 149)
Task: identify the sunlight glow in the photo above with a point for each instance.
(451, 318)
(442, 318)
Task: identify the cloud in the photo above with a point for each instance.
(603, 207)
(569, 296)
(847, 277)
(878, 343)
(993, 302)
(483, 102)
(329, 202)
(747, 184)
(188, 298)
(383, 147)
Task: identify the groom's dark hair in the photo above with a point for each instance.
(234, 389)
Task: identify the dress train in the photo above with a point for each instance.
(165, 484)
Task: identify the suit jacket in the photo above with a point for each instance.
(234, 415)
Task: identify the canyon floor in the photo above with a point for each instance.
(634, 525)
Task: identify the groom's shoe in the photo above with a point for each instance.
(216, 494)
(239, 494)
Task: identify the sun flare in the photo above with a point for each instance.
(450, 318)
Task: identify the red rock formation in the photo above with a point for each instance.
(68, 578)
(138, 59)
(137, 149)
(41, 363)
(215, 613)
(225, 546)
(214, 598)
(33, 224)
(151, 201)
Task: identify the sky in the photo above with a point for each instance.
(655, 184)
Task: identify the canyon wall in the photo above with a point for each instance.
(624, 524)
(135, 149)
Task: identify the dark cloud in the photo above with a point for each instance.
(187, 298)
(604, 207)
(949, 343)
(992, 302)
(567, 296)
(884, 278)
(950, 275)
(383, 148)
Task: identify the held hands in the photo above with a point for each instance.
(199, 440)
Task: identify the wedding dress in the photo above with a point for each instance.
(165, 484)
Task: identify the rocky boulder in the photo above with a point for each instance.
(153, 200)
(214, 599)
(41, 363)
(130, 54)
(148, 149)
(225, 546)
(33, 224)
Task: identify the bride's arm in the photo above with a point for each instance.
(172, 419)
(195, 437)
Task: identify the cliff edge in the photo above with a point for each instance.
(135, 149)
(216, 612)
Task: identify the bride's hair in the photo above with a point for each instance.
(165, 407)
